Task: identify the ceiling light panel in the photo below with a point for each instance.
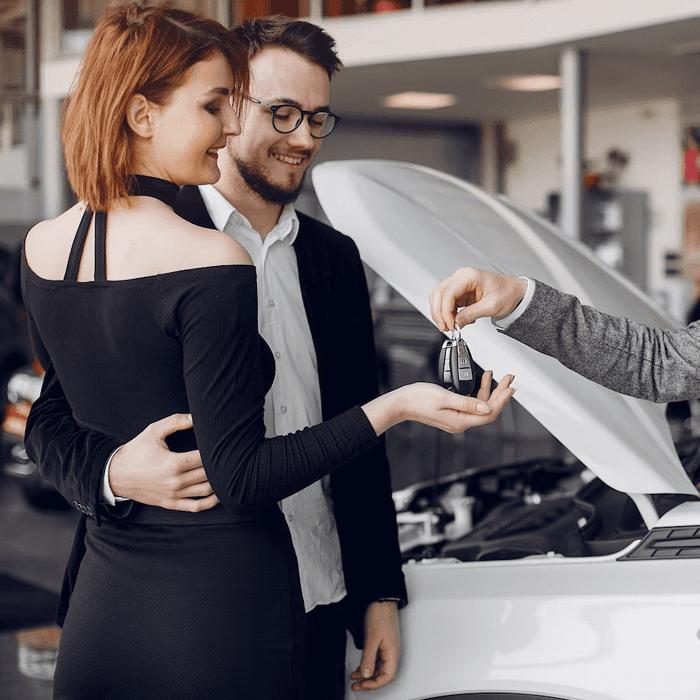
(528, 83)
(419, 100)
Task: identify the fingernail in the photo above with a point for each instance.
(483, 408)
(366, 673)
(189, 417)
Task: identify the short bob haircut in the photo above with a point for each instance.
(306, 39)
(134, 50)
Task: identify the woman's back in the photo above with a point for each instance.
(116, 344)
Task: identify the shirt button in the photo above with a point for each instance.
(278, 354)
(271, 302)
(283, 409)
(291, 518)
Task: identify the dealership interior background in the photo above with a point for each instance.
(584, 111)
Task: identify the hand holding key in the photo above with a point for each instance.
(435, 406)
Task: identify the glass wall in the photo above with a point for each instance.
(85, 14)
(247, 9)
(337, 8)
(12, 82)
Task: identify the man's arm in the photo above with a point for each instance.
(362, 501)
(628, 357)
(73, 459)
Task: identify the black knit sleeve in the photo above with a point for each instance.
(217, 323)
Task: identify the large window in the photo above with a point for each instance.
(337, 8)
(12, 83)
(247, 9)
(82, 14)
(85, 14)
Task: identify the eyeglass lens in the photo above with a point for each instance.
(287, 118)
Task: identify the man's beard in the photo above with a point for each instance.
(258, 183)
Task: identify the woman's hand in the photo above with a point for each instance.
(481, 294)
(432, 405)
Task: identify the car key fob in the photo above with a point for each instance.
(456, 368)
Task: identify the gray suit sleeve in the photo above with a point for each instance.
(630, 358)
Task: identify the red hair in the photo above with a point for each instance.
(134, 50)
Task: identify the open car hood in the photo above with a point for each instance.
(415, 226)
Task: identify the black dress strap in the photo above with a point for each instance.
(76, 251)
(100, 246)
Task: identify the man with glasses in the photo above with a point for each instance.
(314, 313)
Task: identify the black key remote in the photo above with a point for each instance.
(456, 370)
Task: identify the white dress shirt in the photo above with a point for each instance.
(294, 401)
(519, 310)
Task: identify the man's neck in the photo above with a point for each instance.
(262, 215)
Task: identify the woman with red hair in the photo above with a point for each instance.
(142, 315)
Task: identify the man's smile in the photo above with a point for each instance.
(290, 159)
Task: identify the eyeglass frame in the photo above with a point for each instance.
(304, 113)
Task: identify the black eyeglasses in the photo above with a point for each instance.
(287, 118)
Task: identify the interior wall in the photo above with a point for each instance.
(650, 134)
(451, 149)
(13, 168)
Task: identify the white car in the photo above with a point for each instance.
(622, 625)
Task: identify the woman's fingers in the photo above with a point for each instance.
(501, 395)
(468, 416)
(485, 388)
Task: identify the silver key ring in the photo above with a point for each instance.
(455, 334)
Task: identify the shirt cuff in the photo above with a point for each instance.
(107, 494)
(519, 310)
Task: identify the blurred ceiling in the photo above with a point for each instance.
(636, 66)
(641, 65)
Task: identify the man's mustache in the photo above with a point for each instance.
(293, 154)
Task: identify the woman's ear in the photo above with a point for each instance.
(139, 116)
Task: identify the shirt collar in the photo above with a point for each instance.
(221, 210)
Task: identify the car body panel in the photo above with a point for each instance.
(415, 226)
(580, 629)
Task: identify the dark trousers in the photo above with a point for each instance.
(325, 653)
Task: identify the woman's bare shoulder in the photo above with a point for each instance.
(209, 247)
(46, 245)
(146, 240)
(65, 223)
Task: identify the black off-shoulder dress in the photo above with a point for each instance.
(169, 604)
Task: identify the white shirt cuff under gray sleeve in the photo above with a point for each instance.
(107, 494)
(503, 323)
